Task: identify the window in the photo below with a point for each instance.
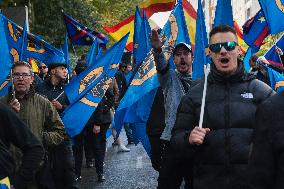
(248, 14)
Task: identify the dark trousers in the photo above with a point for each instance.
(175, 168)
(128, 132)
(98, 145)
(78, 152)
(156, 151)
(63, 166)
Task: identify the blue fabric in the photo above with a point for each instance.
(224, 13)
(271, 54)
(6, 60)
(66, 53)
(81, 35)
(84, 82)
(273, 14)
(201, 42)
(137, 29)
(246, 59)
(254, 31)
(276, 80)
(177, 23)
(88, 100)
(34, 46)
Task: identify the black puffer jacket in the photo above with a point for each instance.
(266, 165)
(231, 102)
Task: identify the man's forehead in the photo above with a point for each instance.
(223, 37)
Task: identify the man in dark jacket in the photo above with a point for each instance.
(219, 150)
(14, 131)
(175, 83)
(63, 159)
(266, 165)
(97, 126)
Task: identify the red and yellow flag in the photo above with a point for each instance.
(190, 19)
(241, 41)
(127, 25)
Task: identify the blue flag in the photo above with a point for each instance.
(273, 11)
(224, 13)
(255, 30)
(136, 108)
(66, 53)
(6, 60)
(175, 31)
(201, 42)
(272, 56)
(73, 118)
(34, 46)
(246, 59)
(136, 35)
(94, 53)
(81, 35)
(84, 82)
(276, 80)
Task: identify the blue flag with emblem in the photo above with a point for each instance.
(84, 82)
(175, 31)
(224, 13)
(73, 118)
(255, 30)
(81, 35)
(276, 80)
(274, 14)
(201, 43)
(135, 109)
(5, 61)
(272, 56)
(31, 46)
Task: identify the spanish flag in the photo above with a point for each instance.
(190, 19)
(241, 41)
(127, 25)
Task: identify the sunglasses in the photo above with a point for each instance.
(42, 67)
(229, 46)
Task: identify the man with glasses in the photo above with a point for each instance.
(219, 151)
(36, 112)
(43, 71)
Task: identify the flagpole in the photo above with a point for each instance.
(206, 72)
(12, 84)
(59, 95)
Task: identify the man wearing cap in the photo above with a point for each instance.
(175, 84)
(219, 151)
(52, 88)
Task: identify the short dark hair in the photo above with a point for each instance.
(253, 58)
(23, 63)
(222, 29)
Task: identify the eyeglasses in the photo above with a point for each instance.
(23, 75)
(42, 67)
(229, 46)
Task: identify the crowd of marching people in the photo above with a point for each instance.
(238, 145)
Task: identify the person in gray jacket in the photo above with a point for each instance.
(175, 83)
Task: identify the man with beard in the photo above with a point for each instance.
(219, 150)
(174, 84)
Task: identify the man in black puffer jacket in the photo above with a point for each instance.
(220, 150)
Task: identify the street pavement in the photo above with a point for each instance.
(123, 170)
